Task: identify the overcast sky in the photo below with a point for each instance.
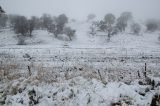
(79, 9)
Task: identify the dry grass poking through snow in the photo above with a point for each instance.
(104, 85)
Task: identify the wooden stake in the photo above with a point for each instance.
(100, 75)
(145, 70)
(29, 70)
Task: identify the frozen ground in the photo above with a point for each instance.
(87, 71)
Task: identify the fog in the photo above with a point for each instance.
(79, 9)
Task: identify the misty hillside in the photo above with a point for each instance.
(84, 39)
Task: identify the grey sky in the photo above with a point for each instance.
(80, 8)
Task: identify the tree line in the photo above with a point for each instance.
(24, 26)
(56, 25)
(112, 25)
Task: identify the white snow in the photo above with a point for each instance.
(68, 73)
(84, 92)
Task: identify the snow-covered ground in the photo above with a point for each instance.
(86, 71)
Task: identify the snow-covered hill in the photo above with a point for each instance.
(83, 39)
(88, 71)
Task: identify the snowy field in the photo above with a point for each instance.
(89, 71)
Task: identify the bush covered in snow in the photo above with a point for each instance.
(69, 32)
(151, 25)
(135, 28)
